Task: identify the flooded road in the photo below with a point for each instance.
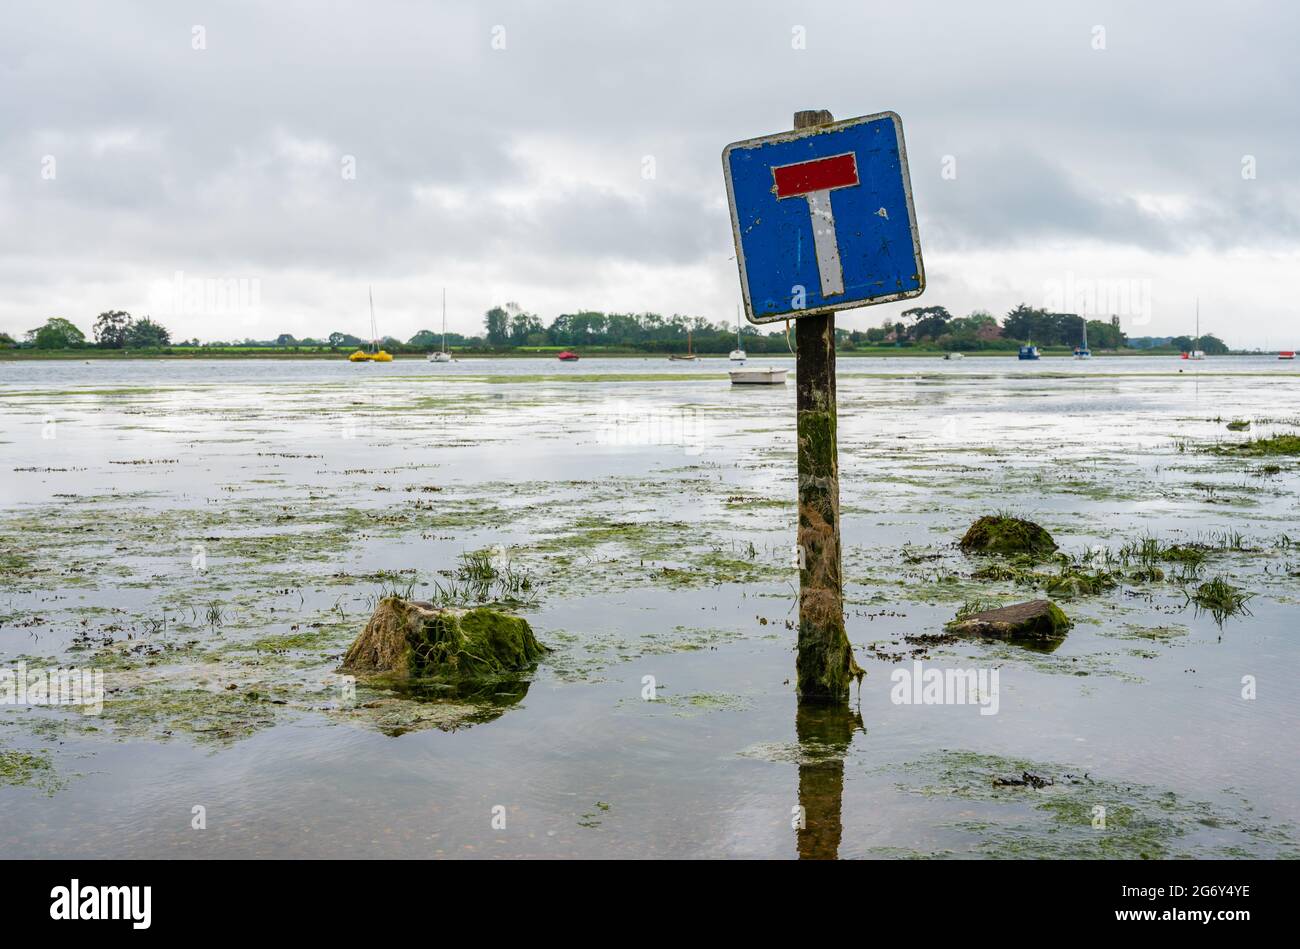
(212, 535)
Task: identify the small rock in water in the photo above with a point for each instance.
(1039, 620)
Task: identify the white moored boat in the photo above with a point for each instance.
(1196, 352)
(442, 355)
(738, 354)
(758, 376)
(1082, 351)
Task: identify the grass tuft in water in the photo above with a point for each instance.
(481, 578)
(1220, 598)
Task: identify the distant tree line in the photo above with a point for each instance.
(934, 326)
(113, 329)
(510, 328)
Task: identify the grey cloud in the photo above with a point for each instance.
(228, 158)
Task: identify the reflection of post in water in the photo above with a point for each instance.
(824, 733)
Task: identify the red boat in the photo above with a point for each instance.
(568, 356)
(1286, 354)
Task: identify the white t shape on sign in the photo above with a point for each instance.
(814, 181)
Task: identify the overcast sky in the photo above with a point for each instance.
(578, 167)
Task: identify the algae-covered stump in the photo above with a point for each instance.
(998, 534)
(409, 638)
(1036, 620)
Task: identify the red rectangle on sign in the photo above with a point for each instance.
(821, 174)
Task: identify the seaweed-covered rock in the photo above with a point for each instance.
(998, 534)
(1072, 583)
(1038, 620)
(409, 638)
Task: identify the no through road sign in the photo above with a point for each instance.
(823, 218)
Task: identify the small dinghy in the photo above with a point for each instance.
(758, 376)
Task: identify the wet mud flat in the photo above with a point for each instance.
(213, 538)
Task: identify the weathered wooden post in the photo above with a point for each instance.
(823, 221)
(825, 663)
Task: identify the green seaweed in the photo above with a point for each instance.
(1260, 447)
(1002, 534)
(1071, 583)
(409, 639)
(1019, 809)
(29, 769)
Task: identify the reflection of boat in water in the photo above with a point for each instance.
(378, 355)
(758, 376)
(567, 356)
(1028, 351)
(687, 356)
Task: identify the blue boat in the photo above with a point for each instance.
(1029, 352)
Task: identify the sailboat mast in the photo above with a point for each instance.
(738, 326)
(444, 319)
(374, 329)
(1198, 324)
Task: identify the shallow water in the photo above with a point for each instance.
(654, 504)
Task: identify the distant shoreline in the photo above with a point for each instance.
(28, 355)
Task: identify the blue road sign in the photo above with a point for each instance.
(823, 218)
